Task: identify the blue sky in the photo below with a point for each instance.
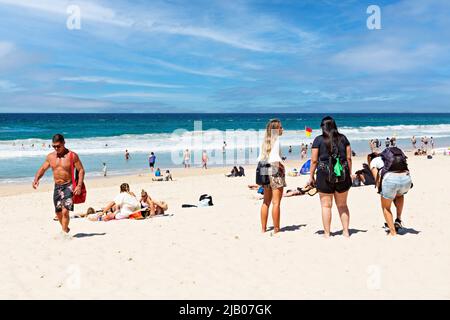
(224, 56)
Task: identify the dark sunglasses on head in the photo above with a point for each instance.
(57, 147)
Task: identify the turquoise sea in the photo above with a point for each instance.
(98, 138)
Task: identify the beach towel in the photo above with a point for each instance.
(306, 168)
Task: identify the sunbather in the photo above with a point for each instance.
(123, 205)
(154, 206)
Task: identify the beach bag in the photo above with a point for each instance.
(262, 173)
(81, 198)
(205, 200)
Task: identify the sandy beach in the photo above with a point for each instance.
(218, 252)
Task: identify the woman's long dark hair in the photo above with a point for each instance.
(330, 133)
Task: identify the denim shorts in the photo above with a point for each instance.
(395, 184)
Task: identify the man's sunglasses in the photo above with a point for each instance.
(56, 146)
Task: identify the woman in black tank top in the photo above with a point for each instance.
(332, 144)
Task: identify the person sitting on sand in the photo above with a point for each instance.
(124, 204)
(154, 207)
(234, 172)
(364, 176)
(167, 177)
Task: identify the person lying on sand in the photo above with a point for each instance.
(124, 204)
(155, 207)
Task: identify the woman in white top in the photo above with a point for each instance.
(124, 204)
(273, 192)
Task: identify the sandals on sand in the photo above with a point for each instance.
(312, 192)
(305, 189)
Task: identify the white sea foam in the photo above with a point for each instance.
(208, 140)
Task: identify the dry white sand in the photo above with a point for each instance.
(219, 252)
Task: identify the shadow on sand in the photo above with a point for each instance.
(339, 233)
(294, 227)
(86, 235)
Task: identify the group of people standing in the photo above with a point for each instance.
(425, 143)
(331, 174)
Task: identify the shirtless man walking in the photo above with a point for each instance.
(59, 161)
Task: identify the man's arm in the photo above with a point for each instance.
(40, 173)
(79, 166)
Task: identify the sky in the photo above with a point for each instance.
(224, 56)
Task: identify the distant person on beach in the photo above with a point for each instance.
(224, 146)
(59, 162)
(377, 144)
(432, 142)
(273, 192)
(425, 142)
(105, 169)
(205, 159)
(167, 177)
(387, 142)
(371, 145)
(414, 142)
(393, 180)
(234, 172)
(290, 149)
(332, 157)
(151, 161)
(127, 155)
(394, 141)
(187, 158)
(303, 152)
(124, 204)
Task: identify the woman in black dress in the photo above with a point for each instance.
(332, 157)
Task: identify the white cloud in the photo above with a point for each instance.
(5, 49)
(386, 57)
(155, 95)
(8, 86)
(212, 72)
(242, 32)
(89, 10)
(95, 79)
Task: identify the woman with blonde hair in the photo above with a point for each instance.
(273, 191)
(154, 206)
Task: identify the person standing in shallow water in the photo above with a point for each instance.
(271, 152)
(59, 161)
(330, 143)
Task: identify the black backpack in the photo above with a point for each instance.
(394, 161)
(330, 176)
(262, 173)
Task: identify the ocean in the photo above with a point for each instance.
(98, 138)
